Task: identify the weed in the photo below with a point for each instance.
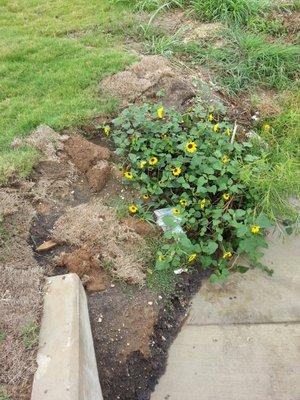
(2, 336)
(30, 334)
(4, 395)
(162, 282)
(276, 176)
(266, 26)
(163, 44)
(248, 60)
(236, 11)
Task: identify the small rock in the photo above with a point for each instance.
(49, 244)
(150, 303)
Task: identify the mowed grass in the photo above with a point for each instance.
(52, 57)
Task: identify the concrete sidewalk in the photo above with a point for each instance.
(241, 341)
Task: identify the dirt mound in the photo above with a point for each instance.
(146, 78)
(94, 225)
(98, 175)
(86, 264)
(85, 154)
(140, 227)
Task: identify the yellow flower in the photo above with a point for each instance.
(128, 175)
(255, 229)
(176, 171)
(146, 196)
(225, 159)
(164, 136)
(175, 211)
(210, 117)
(191, 147)
(161, 112)
(106, 130)
(192, 257)
(161, 258)
(133, 208)
(183, 202)
(153, 161)
(266, 127)
(142, 164)
(202, 204)
(226, 196)
(216, 127)
(227, 255)
(228, 132)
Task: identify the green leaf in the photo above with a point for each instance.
(242, 269)
(263, 221)
(211, 247)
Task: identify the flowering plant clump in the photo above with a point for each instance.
(186, 162)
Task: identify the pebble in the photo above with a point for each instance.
(150, 303)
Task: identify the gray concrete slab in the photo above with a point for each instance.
(241, 340)
(255, 297)
(239, 362)
(66, 360)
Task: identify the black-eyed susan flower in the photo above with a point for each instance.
(142, 164)
(227, 255)
(255, 229)
(191, 147)
(226, 196)
(161, 258)
(192, 257)
(106, 130)
(160, 112)
(133, 209)
(128, 175)
(176, 211)
(202, 204)
(153, 161)
(225, 159)
(146, 196)
(228, 132)
(266, 127)
(210, 117)
(216, 128)
(183, 202)
(176, 171)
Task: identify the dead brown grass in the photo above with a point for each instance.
(94, 224)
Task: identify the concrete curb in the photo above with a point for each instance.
(67, 368)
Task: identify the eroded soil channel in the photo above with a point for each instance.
(132, 325)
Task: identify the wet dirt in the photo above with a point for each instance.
(133, 330)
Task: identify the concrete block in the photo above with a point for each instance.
(67, 368)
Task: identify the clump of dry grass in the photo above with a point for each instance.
(94, 224)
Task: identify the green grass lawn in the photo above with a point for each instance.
(52, 57)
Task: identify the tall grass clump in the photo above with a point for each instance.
(237, 11)
(276, 175)
(248, 60)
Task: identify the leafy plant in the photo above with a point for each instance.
(30, 334)
(187, 163)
